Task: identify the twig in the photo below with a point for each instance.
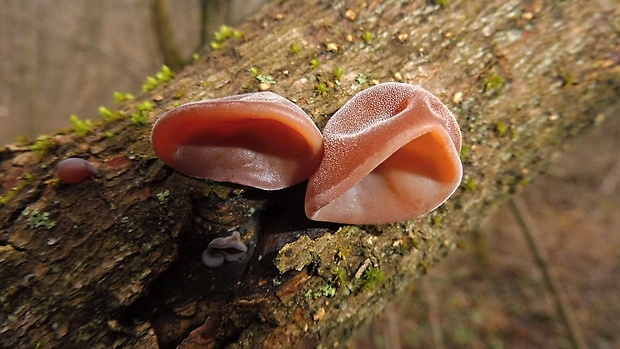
(561, 303)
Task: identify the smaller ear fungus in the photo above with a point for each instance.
(75, 170)
(224, 249)
(391, 154)
(257, 139)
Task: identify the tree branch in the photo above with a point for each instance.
(120, 266)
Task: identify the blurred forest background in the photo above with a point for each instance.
(67, 57)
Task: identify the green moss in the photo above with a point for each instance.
(196, 57)
(142, 116)
(494, 82)
(501, 128)
(145, 106)
(82, 127)
(442, 3)
(40, 344)
(338, 73)
(339, 276)
(150, 84)
(437, 220)
(255, 71)
(464, 151)
(5, 199)
(367, 36)
(108, 115)
(43, 144)
(165, 74)
(120, 97)
(469, 184)
(372, 277)
(223, 34)
(321, 88)
(295, 49)
(314, 63)
(36, 219)
(344, 251)
(139, 118)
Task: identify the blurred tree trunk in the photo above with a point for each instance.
(115, 261)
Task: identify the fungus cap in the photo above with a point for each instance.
(391, 154)
(257, 139)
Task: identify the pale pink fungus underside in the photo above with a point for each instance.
(257, 139)
(222, 249)
(391, 154)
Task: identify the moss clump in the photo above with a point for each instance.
(120, 97)
(339, 276)
(321, 88)
(464, 151)
(338, 73)
(368, 36)
(501, 128)
(223, 34)
(109, 115)
(161, 77)
(82, 127)
(295, 48)
(372, 277)
(469, 184)
(142, 116)
(43, 144)
(494, 82)
(314, 63)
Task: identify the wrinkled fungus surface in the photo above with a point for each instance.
(391, 154)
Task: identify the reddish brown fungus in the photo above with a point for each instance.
(75, 170)
(257, 139)
(391, 154)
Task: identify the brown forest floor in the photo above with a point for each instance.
(490, 293)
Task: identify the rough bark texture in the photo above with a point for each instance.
(115, 261)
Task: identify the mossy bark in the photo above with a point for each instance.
(115, 261)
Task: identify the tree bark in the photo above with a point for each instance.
(115, 261)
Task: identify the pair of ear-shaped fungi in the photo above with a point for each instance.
(389, 154)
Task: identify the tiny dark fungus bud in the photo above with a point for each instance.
(75, 170)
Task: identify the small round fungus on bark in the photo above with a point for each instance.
(75, 170)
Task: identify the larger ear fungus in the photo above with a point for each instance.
(391, 154)
(257, 139)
